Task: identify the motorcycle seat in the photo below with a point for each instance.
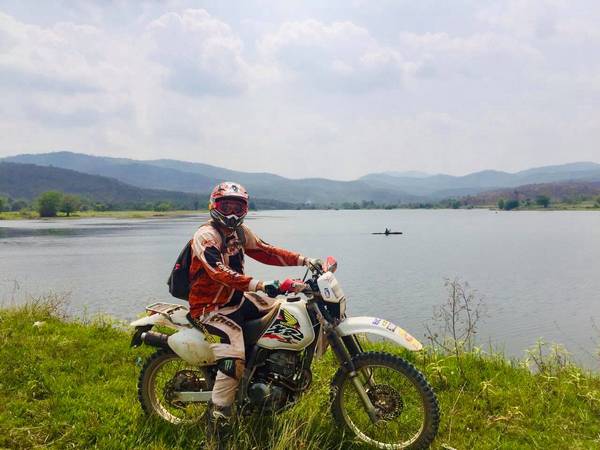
(253, 329)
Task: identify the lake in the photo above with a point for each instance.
(538, 272)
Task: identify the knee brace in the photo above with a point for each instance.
(232, 367)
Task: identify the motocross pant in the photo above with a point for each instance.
(223, 330)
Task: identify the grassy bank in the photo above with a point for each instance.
(72, 384)
(12, 215)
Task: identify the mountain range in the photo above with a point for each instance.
(382, 188)
(27, 181)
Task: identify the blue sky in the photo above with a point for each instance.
(305, 88)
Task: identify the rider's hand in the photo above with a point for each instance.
(294, 286)
(313, 263)
(271, 288)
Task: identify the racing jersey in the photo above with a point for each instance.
(217, 271)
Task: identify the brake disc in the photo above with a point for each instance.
(386, 400)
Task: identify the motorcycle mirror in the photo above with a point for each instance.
(330, 264)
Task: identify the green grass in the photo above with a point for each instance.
(72, 384)
(20, 215)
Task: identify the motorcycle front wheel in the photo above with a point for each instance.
(406, 407)
(162, 376)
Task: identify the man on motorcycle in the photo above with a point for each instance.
(221, 297)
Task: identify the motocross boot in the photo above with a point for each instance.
(218, 425)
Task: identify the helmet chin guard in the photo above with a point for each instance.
(231, 221)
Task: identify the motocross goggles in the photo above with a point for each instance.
(229, 206)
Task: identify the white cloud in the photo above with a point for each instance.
(339, 56)
(366, 87)
(201, 55)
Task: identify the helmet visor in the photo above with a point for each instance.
(230, 206)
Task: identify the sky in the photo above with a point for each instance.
(334, 89)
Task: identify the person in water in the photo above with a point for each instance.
(222, 298)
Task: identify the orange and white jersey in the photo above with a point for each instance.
(217, 270)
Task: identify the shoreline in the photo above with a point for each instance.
(133, 214)
(127, 214)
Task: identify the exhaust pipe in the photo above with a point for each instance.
(155, 339)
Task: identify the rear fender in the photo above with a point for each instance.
(158, 319)
(379, 327)
(154, 319)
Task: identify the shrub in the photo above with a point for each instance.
(18, 205)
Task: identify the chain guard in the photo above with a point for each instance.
(184, 381)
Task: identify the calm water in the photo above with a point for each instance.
(539, 272)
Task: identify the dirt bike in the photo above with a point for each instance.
(380, 398)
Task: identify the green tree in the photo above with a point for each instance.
(501, 203)
(543, 200)
(511, 204)
(598, 202)
(163, 206)
(70, 203)
(48, 203)
(4, 206)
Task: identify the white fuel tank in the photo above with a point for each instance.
(190, 345)
(291, 330)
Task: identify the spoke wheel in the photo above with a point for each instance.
(165, 373)
(406, 408)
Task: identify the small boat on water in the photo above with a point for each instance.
(387, 232)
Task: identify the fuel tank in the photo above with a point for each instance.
(291, 330)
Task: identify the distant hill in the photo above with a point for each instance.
(444, 186)
(382, 188)
(27, 181)
(558, 191)
(200, 178)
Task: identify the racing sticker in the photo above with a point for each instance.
(285, 329)
(393, 328)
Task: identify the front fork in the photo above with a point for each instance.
(345, 348)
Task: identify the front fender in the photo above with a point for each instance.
(379, 327)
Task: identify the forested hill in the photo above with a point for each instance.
(27, 181)
(189, 177)
(382, 188)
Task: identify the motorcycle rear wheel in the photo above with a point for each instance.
(405, 403)
(156, 383)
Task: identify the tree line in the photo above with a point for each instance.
(50, 203)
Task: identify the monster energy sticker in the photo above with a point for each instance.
(285, 329)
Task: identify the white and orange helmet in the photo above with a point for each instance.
(228, 204)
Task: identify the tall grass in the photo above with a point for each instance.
(69, 384)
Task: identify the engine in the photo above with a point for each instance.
(278, 381)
